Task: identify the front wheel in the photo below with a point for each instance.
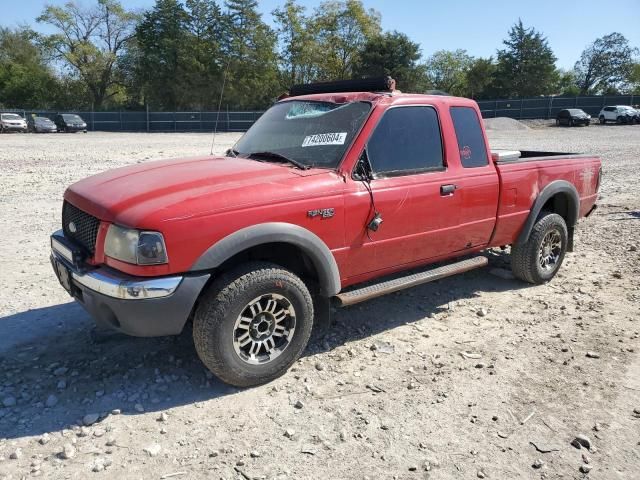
(602, 120)
(539, 258)
(253, 323)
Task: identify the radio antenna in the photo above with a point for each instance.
(215, 129)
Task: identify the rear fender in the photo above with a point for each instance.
(572, 212)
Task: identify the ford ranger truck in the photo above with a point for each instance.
(336, 185)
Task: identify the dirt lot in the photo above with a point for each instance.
(385, 393)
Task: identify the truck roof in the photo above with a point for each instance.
(395, 97)
(375, 90)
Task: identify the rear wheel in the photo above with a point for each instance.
(539, 258)
(619, 120)
(557, 122)
(602, 120)
(253, 323)
(571, 122)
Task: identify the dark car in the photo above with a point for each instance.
(70, 122)
(572, 117)
(41, 125)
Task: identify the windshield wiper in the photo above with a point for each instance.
(279, 156)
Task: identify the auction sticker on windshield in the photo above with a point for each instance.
(325, 139)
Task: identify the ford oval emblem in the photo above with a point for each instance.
(72, 227)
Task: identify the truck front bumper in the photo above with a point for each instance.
(138, 306)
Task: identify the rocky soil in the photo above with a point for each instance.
(476, 376)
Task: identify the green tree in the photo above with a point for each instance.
(566, 85)
(526, 67)
(393, 54)
(162, 42)
(634, 79)
(298, 51)
(25, 78)
(250, 50)
(480, 79)
(90, 42)
(605, 64)
(204, 63)
(342, 29)
(447, 70)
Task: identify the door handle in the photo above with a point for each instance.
(448, 189)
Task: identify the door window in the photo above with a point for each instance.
(406, 140)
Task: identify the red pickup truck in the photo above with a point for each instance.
(335, 185)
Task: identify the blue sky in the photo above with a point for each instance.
(476, 26)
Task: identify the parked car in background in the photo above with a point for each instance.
(70, 122)
(41, 125)
(636, 116)
(572, 117)
(12, 122)
(617, 113)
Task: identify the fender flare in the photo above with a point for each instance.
(276, 232)
(554, 188)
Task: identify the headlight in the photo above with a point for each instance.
(135, 246)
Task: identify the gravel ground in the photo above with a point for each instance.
(475, 376)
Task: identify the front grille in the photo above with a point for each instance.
(86, 227)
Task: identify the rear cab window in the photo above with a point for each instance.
(471, 144)
(406, 141)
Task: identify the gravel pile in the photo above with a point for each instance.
(504, 124)
(474, 376)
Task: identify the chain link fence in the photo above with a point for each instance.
(234, 121)
(548, 107)
(147, 121)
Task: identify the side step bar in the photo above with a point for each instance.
(397, 284)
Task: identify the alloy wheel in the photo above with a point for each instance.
(264, 329)
(550, 250)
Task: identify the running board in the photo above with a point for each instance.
(397, 284)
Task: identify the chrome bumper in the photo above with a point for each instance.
(110, 282)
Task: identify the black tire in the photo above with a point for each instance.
(619, 120)
(226, 300)
(571, 122)
(557, 122)
(602, 120)
(526, 258)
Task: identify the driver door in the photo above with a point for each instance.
(412, 190)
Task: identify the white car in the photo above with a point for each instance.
(618, 114)
(12, 122)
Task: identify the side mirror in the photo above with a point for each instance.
(363, 170)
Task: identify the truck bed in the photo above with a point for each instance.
(522, 178)
(517, 156)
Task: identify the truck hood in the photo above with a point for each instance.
(148, 194)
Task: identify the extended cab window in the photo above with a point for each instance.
(473, 151)
(406, 140)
